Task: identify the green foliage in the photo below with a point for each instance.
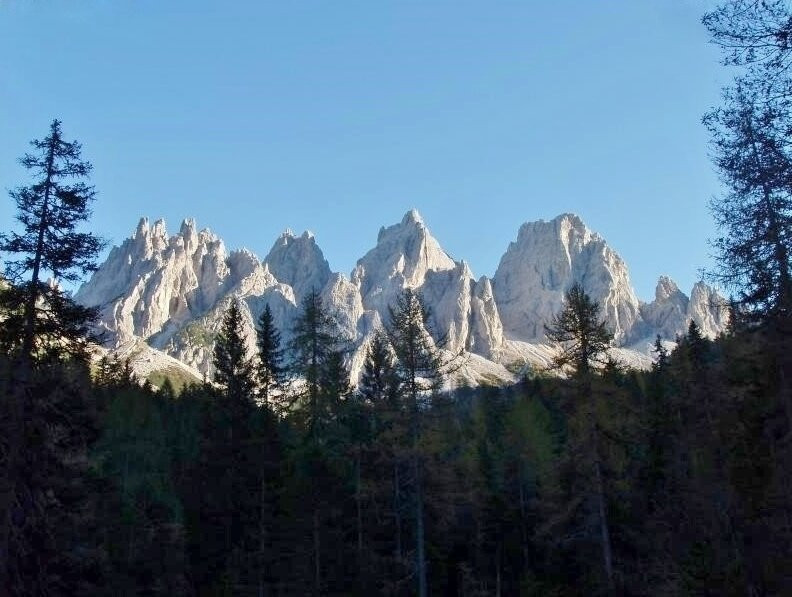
(579, 332)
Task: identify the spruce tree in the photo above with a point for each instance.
(315, 350)
(315, 407)
(270, 369)
(379, 384)
(233, 369)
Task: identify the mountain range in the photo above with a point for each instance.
(162, 297)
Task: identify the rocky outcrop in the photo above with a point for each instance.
(671, 312)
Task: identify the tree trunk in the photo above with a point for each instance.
(28, 342)
(397, 511)
(523, 525)
(498, 581)
(359, 507)
(420, 555)
(317, 551)
(607, 555)
(263, 539)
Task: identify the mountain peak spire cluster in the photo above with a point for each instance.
(171, 292)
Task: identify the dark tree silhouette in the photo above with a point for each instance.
(579, 332)
(49, 211)
(45, 432)
(583, 341)
(233, 369)
(270, 369)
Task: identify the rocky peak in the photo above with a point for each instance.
(150, 280)
(299, 262)
(666, 290)
(708, 309)
(544, 261)
(667, 314)
(404, 253)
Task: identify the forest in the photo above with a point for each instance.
(279, 476)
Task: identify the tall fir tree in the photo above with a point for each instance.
(270, 368)
(321, 382)
(233, 369)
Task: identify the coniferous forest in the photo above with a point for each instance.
(279, 476)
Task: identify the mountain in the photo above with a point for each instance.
(171, 292)
(544, 261)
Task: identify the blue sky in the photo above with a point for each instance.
(338, 117)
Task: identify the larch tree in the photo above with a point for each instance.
(39, 315)
(579, 333)
(45, 335)
(582, 340)
(752, 150)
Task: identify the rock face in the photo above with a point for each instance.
(546, 259)
(298, 262)
(172, 292)
(672, 311)
(152, 282)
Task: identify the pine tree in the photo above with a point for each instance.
(270, 370)
(579, 333)
(37, 314)
(420, 369)
(233, 369)
(315, 350)
(315, 407)
(42, 325)
(750, 137)
(379, 384)
(583, 341)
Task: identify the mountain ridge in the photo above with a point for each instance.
(171, 291)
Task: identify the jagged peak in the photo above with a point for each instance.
(566, 226)
(413, 217)
(187, 226)
(159, 228)
(572, 218)
(665, 288)
(464, 268)
(142, 228)
(411, 224)
(703, 290)
(246, 252)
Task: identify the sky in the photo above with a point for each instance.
(338, 117)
